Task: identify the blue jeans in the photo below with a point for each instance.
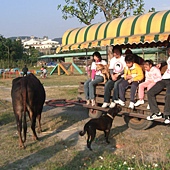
(110, 84)
(157, 88)
(122, 89)
(89, 87)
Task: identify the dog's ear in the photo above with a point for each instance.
(111, 111)
(119, 108)
(115, 110)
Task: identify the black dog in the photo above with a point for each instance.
(103, 123)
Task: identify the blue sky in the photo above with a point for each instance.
(41, 17)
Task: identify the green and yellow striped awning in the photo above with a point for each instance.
(152, 27)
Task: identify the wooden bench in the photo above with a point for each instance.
(136, 118)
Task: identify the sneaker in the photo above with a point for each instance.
(155, 116)
(112, 105)
(167, 119)
(122, 103)
(105, 105)
(139, 102)
(131, 105)
(93, 102)
(116, 101)
(148, 107)
(87, 102)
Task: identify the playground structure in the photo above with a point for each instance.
(67, 68)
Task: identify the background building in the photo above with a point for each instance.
(44, 45)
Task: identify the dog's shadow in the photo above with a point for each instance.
(115, 131)
(118, 130)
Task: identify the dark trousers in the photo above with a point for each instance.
(156, 89)
(24, 74)
(110, 84)
(122, 89)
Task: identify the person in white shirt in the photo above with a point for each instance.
(96, 77)
(117, 64)
(157, 88)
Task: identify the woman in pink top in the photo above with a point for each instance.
(152, 75)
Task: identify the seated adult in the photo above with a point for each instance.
(156, 89)
(117, 64)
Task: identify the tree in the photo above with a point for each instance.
(33, 55)
(5, 47)
(16, 50)
(12, 52)
(119, 8)
(85, 10)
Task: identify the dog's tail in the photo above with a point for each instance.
(82, 133)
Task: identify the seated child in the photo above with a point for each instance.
(152, 75)
(133, 75)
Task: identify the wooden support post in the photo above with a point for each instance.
(72, 69)
(3, 75)
(63, 68)
(59, 69)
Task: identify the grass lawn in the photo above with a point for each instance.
(61, 148)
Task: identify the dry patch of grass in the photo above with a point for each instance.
(61, 93)
(63, 80)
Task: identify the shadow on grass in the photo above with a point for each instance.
(46, 153)
(33, 159)
(85, 157)
(155, 123)
(64, 122)
(69, 115)
(6, 113)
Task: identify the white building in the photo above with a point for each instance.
(40, 43)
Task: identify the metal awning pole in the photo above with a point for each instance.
(87, 69)
(107, 54)
(143, 53)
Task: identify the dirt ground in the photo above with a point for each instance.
(64, 124)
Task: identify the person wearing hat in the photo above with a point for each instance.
(157, 88)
